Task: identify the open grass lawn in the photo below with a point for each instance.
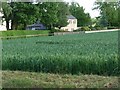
(17, 79)
(22, 32)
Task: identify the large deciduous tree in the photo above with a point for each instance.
(79, 12)
(109, 11)
(49, 14)
(19, 13)
(23, 13)
(53, 14)
(63, 11)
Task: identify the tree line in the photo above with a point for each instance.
(51, 14)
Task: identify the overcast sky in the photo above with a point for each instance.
(88, 5)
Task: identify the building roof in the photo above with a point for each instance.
(38, 23)
(36, 26)
(71, 17)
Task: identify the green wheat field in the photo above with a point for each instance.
(95, 53)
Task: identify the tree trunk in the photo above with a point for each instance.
(25, 26)
(51, 26)
(13, 25)
(7, 24)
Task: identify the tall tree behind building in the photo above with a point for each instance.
(79, 12)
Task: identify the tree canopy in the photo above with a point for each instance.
(53, 14)
(79, 12)
(109, 13)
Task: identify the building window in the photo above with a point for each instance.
(74, 22)
(70, 21)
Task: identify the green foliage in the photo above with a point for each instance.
(85, 28)
(57, 30)
(53, 14)
(49, 13)
(77, 30)
(79, 12)
(97, 27)
(99, 24)
(61, 15)
(86, 53)
(109, 13)
(26, 13)
(52, 31)
(112, 27)
(22, 14)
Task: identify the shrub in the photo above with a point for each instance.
(93, 28)
(57, 30)
(111, 27)
(98, 28)
(85, 28)
(77, 30)
(53, 30)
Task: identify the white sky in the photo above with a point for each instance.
(88, 5)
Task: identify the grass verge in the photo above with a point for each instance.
(23, 32)
(17, 79)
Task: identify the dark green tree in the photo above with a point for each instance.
(109, 11)
(23, 13)
(53, 14)
(63, 11)
(79, 12)
(49, 13)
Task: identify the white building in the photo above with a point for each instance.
(72, 24)
(2, 23)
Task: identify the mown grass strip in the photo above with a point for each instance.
(20, 33)
(17, 79)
